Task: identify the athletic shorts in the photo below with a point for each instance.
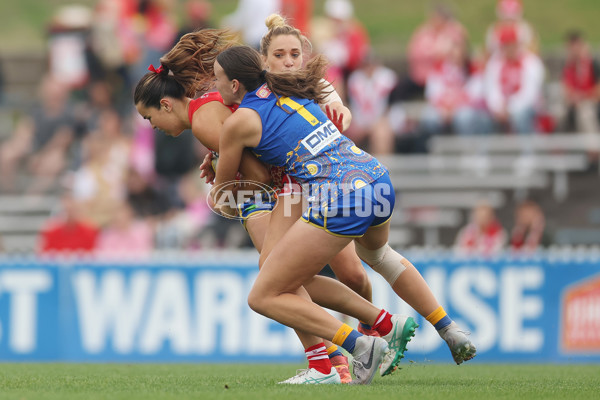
(352, 214)
(287, 186)
(290, 186)
(252, 207)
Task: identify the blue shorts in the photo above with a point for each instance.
(352, 214)
(253, 207)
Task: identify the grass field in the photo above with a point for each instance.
(26, 381)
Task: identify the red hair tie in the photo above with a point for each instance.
(155, 70)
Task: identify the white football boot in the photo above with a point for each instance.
(461, 347)
(368, 353)
(314, 377)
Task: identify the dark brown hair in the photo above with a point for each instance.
(186, 69)
(244, 64)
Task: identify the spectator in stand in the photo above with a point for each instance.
(581, 85)
(193, 225)
(158, 28)
(454, 93)
(368, 89)
(527, 234)
(114, 43)
(68, 232)
(146, 201)
(344, 41)
(42, 138)
(126, 236)
(100, 182)
(483, 235)
(98, 100)
(174, 157)
(248, 20)
(298, 13)
(68, 53)
(197, 16)
(427, 47)
(510, 14)
(513, 85)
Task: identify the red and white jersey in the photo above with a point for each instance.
(368, 93)
(446, 86)
(206, 98)
(514, 84)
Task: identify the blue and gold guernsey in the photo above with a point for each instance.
(298, 136)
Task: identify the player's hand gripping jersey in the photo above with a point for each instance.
(298, 136)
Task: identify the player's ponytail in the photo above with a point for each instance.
(306, 83)
(243, 63)
(185, 70)
(155, 85)
(191, 60)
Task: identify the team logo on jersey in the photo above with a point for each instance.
(320, 138)
(263, 92)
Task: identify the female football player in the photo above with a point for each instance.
(163, 96)
(281, 123)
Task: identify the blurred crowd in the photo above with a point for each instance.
(128, 189)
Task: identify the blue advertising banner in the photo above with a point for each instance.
(536, 310)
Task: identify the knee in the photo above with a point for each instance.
(256, 302)
(385, 261)
(356, 279)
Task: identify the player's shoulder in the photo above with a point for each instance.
(244, 123)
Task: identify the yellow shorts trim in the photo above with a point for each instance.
(328, 231)
(247, 217)
(384, 222)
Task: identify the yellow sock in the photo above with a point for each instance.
(342, 334)
(438, 318)
(331, 349)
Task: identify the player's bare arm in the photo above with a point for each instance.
(243, 129)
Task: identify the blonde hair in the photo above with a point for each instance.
(277, 26)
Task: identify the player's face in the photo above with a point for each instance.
(162, 118)
(284, 54)
(224, 85)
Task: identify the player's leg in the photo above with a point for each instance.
(297, 257)
(349, 270)
(410, 286)
(319, 369)
(288, 211)
(256, 226)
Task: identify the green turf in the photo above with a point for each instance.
(258, 381)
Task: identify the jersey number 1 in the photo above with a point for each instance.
(307, 115)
